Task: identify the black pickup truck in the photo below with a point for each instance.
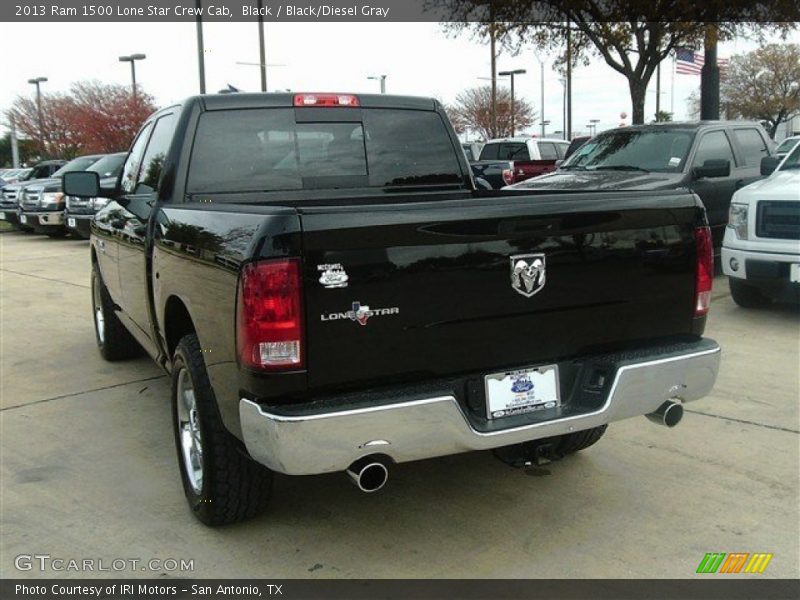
(330, 292)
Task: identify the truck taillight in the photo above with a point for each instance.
(508, 174)
(326, 100)
(704, 270)
(269, 316)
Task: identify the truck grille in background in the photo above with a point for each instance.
(75, 202)
(778, 220)
(30, 199)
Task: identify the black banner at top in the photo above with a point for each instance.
(395, 10)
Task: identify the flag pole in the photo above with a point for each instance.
(672, 89)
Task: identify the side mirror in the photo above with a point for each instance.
(83, 184)
(769, 164)
(713, 167)
(559, 162)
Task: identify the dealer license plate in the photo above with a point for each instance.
(794, 273)
(23, 219)
(70, 222)
(526, 390)
(2, 216)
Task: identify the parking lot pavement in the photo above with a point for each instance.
(87, 468)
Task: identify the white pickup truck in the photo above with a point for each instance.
(761, 249)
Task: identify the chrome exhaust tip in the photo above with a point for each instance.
(668, 414)
(369, 474)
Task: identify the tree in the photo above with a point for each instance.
(663, 116)
(91, 118)
(108, 116)
(472, 111)
(764, 85)
(57, 136)
(632, 36)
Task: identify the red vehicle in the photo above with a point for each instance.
(510, 160)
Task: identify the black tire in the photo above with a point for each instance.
(225, 485)
(580, 440)
(747, 296)
(113, 340)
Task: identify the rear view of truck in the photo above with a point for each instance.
(331, 293)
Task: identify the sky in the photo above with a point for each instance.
(418, 59)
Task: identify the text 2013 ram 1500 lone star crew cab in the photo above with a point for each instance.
(330, 292)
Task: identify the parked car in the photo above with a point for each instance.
(41, 202)
(711, 158)
(10, 196)
(510, 160)
(295, 269)
(472, 150)
(761, 250)
(79, 212)
(786, 145)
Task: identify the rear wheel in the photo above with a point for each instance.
(113, 340)
(221, 482)
(746, 295)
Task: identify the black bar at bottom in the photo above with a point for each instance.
(709, 587)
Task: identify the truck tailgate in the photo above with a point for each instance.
(438, 280)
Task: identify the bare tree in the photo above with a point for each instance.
(472, 111)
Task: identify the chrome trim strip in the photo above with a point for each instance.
(438, 426)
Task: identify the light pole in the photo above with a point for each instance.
(513, 108)
(201, 59)
(37, 81)
(262, 48)
(544, 126)
(132, 58)
(593, 126)
(564, 106)
(541, 89)
(382, 79)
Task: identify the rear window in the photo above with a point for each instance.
(505, 151)
(547, 151)
(266, 150)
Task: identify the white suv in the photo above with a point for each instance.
(761, 249)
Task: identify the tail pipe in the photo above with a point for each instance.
(369, 473)
(668, 414)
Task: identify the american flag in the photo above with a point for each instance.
(689, 62)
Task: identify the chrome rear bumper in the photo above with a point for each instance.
(437, 426)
